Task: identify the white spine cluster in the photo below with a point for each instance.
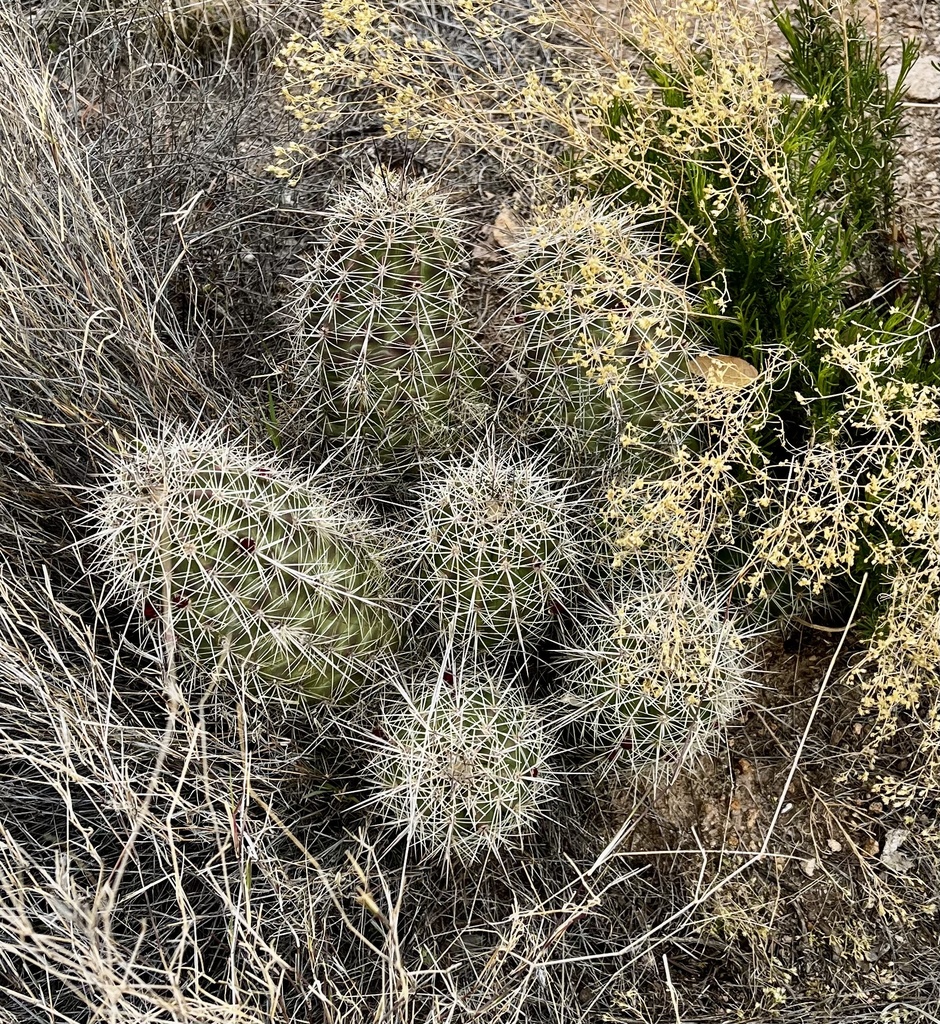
(654, 674)
(496, 552)
(604, 332)
(461, 765)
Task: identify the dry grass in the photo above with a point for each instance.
(87, 342)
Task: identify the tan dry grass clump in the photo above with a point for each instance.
(86, 343)
(144, 875)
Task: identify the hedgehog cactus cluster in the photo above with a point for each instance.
(461, 763)
(489, 582)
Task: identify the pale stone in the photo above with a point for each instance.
(922, 84)
(507, 228)
(890, 855)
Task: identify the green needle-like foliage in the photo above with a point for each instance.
(854, 113)
(250, 569)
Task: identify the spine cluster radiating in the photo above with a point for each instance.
(602, 334)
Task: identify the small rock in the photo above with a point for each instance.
(890, 856)
(922, 84)
(834, 845)
(809, 867)
(726, 372)
(507, 228)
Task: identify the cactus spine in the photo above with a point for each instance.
(460, 764)
(384, 356)
(496, 552)
(655, 672)
(259, 574)
(602, 332)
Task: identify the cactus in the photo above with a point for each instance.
(460, 764)
(383, 354)
(771, 595)
(653, 674)
(257, 572)
(496, 552)
(603, 334)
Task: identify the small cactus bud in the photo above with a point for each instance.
(496, 552)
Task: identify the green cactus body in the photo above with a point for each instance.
(496, 553)
(602, 333)
(652, 676)
(767, 594)
(259, 574)
(384, 355)
(461, 764)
